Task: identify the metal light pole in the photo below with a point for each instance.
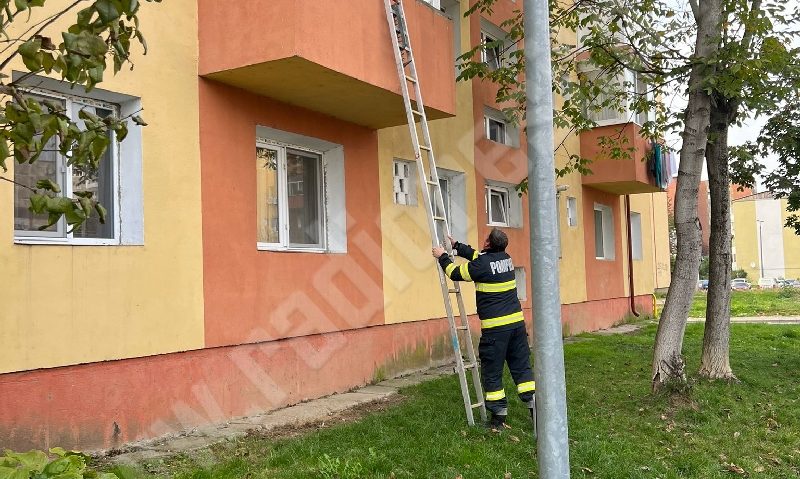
(760, 247)
(551, 392)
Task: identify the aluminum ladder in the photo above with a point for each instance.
(407, 73)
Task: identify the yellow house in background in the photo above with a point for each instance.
(763, 246)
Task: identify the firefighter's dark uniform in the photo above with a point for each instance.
(503, 334)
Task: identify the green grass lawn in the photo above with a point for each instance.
(617, 429)
(768, 302)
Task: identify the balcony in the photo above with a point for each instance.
(330, 56)
(621, 177)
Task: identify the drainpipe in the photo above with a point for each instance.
(630, 255)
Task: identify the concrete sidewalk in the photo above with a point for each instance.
(757, 320)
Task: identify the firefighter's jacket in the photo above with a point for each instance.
(495, 285)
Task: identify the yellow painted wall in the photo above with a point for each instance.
(745, 238)
(644, 269)
(572, 280)
(410, 278)
(65, 305)
(663, 274)
(791, 246)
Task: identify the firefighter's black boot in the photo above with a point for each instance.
(498, 422)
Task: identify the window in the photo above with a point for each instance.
(495, 130)
(572, 211)
(492, 51)
(636, 235)
(444, 185)
(405, 185)
(603, 232)
(290, 192)
(614, 105)
(102, 182)
(497, 205)
(522, 283)
(453, 185)
(434, 3)
(498, 129)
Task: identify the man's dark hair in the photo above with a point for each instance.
(498, 240)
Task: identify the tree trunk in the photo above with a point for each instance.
(715, 362)
(668, 361)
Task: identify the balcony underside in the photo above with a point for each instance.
(300, 82)
(624, 187)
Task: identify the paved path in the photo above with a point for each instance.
(758, 320)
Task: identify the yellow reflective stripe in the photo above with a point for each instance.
(526, 386)
(449, 269)
(502, 320)
(495, 395)
(464, 269)
(475, 255)
(496, 287)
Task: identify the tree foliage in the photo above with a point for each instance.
(102, 33)
(781, 136)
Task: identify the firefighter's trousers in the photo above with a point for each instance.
(496, 348)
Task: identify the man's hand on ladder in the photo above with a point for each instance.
(438, 251)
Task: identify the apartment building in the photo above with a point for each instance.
(762, 246)
(268, 242)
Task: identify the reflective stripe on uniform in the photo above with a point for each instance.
(502, 320)
(526, 386)
(475, 255)
(495, 395)
(449, 269)
(464, 269)
(496, 287)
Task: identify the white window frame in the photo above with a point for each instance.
(283, 201)
(607, 225)
(572, 211)
(504, 194)
(636, 236)
(634, 86)
(62, 235)
(410, 182)
(487, 127)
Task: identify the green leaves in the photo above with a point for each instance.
(37, 464)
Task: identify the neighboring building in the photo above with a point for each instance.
(226, 286)
(763, 246)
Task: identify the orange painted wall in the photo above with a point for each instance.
(611, 170)
(350, 37)
(103, 405)
(594, 315)
(253, 295)
(604, 278)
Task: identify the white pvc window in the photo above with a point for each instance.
(444, 186)
(572, 211)
(522, 283)
(495, 130)
(636, 235)
(404, 183)
(492, 52)
(102, 182)
(290, 190)
(603, 232)
(497, 206)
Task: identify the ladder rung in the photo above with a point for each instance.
(432, 183)
(411, 79)
(462, 328)
(439, 218)
(416, 112)
(477, 404)
(470, 365)
(453, 291)
(426, 148)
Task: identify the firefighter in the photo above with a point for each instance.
(503, 334)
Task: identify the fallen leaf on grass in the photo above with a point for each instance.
(734, 468)
(758, 469)
(736, 434)
(513, 438)
(507, 475)
(587, 470)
